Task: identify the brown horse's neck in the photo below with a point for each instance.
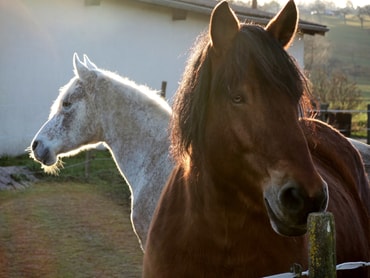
(227, 183)
(220, 202)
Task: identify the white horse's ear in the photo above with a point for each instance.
(88, 63)
(80, 69)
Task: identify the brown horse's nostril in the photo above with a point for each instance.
(291, 197)
(34, 145)
(294, 199)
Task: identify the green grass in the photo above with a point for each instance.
(101, 168)
(69, 225)
(365, 90)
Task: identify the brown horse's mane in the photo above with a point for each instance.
(256, 57)
(325, 144)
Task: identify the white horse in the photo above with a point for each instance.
(97, 106)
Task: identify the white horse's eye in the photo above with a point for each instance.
(66, 104)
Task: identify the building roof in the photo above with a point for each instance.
(243, 12)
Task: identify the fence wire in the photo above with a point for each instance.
(343, 266)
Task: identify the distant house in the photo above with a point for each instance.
(145, 40)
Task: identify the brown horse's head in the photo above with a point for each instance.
(237, 116)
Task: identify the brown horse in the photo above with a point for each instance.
(249, 169)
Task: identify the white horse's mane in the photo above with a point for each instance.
(144, 92)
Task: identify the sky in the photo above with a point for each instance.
(339, 3)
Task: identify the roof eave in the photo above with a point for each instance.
(244, 13)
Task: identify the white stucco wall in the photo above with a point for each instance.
(297, 49)
(39, 37)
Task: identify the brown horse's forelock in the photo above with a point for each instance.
(255, 56)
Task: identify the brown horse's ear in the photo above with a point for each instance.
(224, 26)
(284, 25)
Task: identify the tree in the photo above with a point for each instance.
(361, 13)
(330, 84)
(254, 4)
(316, 51)
(272, 6)
(242, 2)
(349, 5)
(319, 6)
(347, 10)
(366, 9)
(334, 88)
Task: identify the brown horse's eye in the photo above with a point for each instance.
(237, 99)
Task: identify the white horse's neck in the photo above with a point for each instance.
(135, 128)
(134, 139)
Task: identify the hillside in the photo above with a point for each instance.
(348, 47)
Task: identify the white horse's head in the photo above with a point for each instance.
(72, 123)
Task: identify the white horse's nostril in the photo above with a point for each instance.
(34, 145)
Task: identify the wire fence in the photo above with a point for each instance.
(339, 267)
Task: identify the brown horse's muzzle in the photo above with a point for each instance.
(288, 206)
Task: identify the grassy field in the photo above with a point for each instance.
(70, 225)
(350, 43)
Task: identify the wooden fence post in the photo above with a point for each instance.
(163, 89)
(87, 164)
(321, 235)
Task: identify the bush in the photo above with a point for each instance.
(334, 88)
